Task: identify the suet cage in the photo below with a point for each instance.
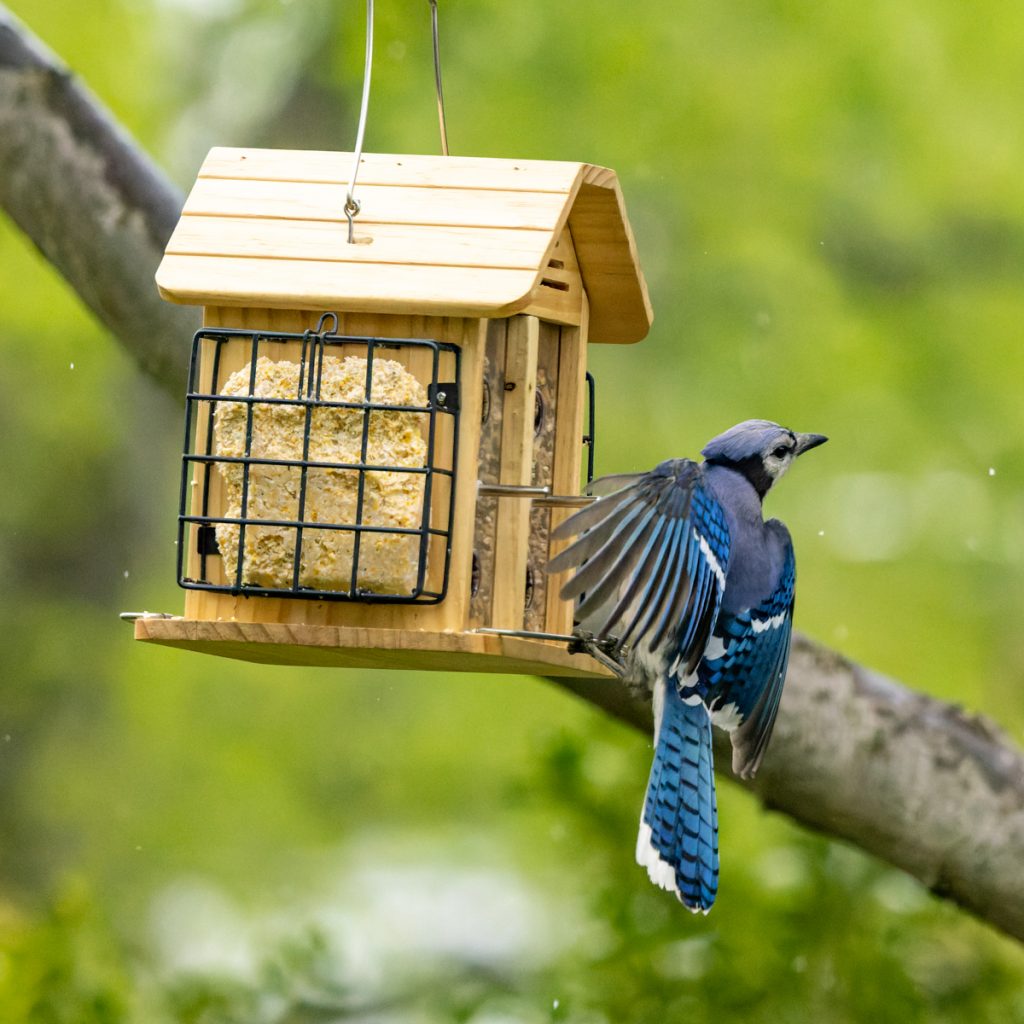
(329, 478)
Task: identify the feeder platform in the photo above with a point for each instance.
(279, 643)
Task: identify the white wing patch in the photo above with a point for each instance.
(775, 622)
(709, 555)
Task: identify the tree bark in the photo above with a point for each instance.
(92, 202)
(910, 779)
(914, 781)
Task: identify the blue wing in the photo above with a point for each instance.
(650, 565)
(742, 674)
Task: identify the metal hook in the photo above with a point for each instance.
(326, 318)
(306, 362)
(352, 205)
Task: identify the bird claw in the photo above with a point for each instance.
(601, 648)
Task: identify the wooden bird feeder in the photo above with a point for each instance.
(381, 433)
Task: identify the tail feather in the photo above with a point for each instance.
(678, 841)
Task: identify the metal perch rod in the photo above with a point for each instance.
(541, 496)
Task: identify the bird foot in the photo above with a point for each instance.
(601, 648)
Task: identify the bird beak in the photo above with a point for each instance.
(805, 442)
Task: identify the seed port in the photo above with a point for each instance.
(530, 588)
(485, 402)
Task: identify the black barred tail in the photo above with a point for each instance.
(678, 841)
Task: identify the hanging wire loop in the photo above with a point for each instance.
(352, 205)
(437, 77)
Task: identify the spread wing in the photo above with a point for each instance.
(650, 562)
(743, 682)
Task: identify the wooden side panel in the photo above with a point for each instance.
(568, 456)
(516, 468)
(450, 613)
(558, 294)
(492, 417)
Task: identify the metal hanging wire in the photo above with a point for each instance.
(437, 77)
(352, 205)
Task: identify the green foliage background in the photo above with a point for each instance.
(829, 207)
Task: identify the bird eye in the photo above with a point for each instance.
(781, 452)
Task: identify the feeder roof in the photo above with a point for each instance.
(444, 236)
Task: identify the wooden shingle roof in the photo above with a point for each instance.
(446, 236)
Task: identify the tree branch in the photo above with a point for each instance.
(915, 781)
(92, 202)
(912, 780)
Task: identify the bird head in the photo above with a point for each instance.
(759, 449)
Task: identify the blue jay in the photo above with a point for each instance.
(684, 588)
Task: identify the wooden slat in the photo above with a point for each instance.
(311, 284)
(472, 340)
(489, 472)
(569, 453)
(392, 169)
(395, 204)
(513, 530)
(328, 240)
(347, 647)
